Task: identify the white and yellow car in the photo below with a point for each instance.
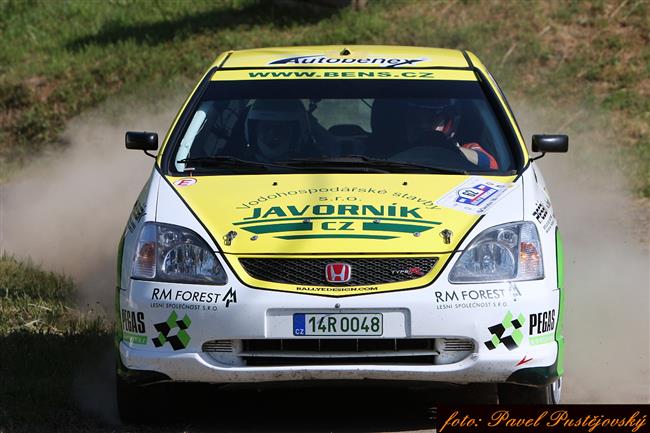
(343, 212)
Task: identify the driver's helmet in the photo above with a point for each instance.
(276, 127)
(429, 115)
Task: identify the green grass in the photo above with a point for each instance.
(47, 343)
(38, 301)
(561, 53)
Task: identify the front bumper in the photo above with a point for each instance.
(201, 367)
(238, 313)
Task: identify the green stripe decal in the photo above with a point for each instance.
(541, 339)
(295, 237)
(274, 228)
(334, 217)
(134, 338)
(403, 228)
(559, 255)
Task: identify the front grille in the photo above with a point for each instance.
(339, 347)
(299, 361)
(337, 351)
(365, 271)
(340, 351)
(224, 346)
(457, 345)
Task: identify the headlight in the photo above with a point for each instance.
(506, 252)
(171, 253)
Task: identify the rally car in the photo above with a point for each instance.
(343, 213)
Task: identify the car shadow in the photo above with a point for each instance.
(299, 407)
(280, 15)
(55, 383)
(49, 382)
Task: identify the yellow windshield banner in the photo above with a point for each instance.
(312, 73)
(356, 56)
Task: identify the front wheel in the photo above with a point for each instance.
(510, 393)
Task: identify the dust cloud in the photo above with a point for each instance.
(607, 262)
(67, 211)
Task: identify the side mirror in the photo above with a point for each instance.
(550, 143)
(141, 140)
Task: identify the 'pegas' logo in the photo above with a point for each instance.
(380, 222)
(322, 59)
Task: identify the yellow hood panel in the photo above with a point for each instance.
(293, 214)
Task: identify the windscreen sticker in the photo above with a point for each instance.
(341, 74)
(475, 196)
(321, 59)
(186, 181)
(355, 74)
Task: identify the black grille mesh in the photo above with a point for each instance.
(334, 345)
(365, 271)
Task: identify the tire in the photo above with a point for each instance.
(509, 393)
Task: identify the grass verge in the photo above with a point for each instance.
(48, 351)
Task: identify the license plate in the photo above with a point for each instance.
(338, 324)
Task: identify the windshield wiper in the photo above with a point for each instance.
(379, 163)
(228, 161)
(339, 163)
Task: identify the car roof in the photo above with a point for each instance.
(365, 56)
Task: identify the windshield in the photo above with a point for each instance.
(288, 126)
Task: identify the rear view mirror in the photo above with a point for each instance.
(141, 140)
(550, 143)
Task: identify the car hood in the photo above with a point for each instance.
(339, 213)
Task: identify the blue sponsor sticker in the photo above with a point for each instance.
(299, 324)
(475, 195)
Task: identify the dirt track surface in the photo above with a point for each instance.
(607, 262)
